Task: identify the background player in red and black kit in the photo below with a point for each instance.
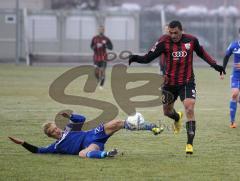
(178, 49)
(99, 45)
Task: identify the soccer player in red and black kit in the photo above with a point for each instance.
(178, 49)
(99, 45)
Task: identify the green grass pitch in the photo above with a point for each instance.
(25, 105)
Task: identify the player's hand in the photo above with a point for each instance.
(66, 115)
(221, 77)
(132, 58)
(16, 140)
(219, 68)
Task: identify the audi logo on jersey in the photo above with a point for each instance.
(179, 54)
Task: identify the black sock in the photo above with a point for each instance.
(102, 81)
(97, 74)
(191, 127)
(174, 115)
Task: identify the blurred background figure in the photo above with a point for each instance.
(100, 43)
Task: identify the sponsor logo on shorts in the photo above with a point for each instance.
(193, 93)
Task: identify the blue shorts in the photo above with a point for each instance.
(96, 136)
(235, 82)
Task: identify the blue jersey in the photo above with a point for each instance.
(72, 142)
(234, 48)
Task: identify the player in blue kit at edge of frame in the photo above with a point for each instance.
(86, 144)
(234, 48)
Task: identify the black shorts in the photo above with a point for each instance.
(101, 64)
(171, 93)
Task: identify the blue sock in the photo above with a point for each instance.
(127, 126)
(233, 109)
(96, 154)
(147, 126)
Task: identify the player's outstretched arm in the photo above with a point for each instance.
(16, 140)
(155, 52)
(26, 145)
(142, 59)
(206, 57)
(225, 61)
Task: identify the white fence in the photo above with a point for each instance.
(64, 33)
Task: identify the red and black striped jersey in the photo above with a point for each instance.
(178, 58)
(162, 61)
(99, 45)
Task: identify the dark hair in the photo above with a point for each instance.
(174, 24)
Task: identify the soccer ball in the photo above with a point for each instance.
(135, 121)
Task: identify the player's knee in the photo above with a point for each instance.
(113, 126)
(167, 112)
(82, 154)
(234, 96)
(117, 124)
(189, 110)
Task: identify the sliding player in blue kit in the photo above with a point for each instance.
(89, 143)
(234, 48)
